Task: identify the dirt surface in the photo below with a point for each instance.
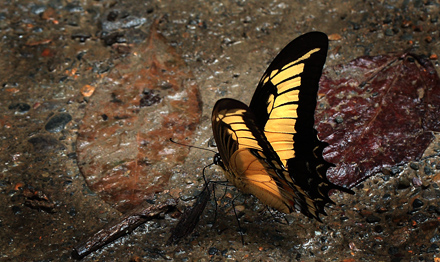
(51, 51)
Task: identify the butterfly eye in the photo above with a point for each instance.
(218, 160)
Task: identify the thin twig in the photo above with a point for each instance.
(123, 226)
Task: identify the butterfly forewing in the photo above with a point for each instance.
(285, 98)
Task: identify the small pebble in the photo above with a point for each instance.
(435, 238)
(45, 143)
(403, 183)
(115, 22)
(16, 210)
(428, 170)
(38, 9)
(428, 39)
(386, 196)
(378, 229)
(417, 203)
(373, 219)
(433, 248)
(58, 122)
(356, 26)
(20, 108)
(418, 28)
(387, 19)
(419, 218)
(406, 23)
(406, 37)
(339, 119)
(213, 251)
(381, 209)
(239, 208)
(72, 212)
(334, 37)
(87, 90)
(149, 98)
(417, 181)
(81, 36)
(414, 166)
(393, 250)
(73, 8)
(395, 170)
(389, 32)
(433, 209)
(72, 155)
(429, 195)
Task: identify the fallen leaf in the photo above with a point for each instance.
(377, 112)
(124, 150)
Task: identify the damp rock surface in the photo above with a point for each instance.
(59, 57)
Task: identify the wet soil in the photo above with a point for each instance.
(51, 51)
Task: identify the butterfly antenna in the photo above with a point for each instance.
(191, 146)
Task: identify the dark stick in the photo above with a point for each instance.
(123, 226)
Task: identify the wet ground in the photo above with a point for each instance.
(52, 49)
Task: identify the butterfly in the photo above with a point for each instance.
(270, 148)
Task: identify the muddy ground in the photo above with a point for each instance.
(48, 48)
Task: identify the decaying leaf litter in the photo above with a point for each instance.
(376, 113)
(385, 220)
(123, 143)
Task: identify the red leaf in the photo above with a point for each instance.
(377, 112)
(123, 143)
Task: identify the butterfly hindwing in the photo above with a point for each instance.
(248, 158)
